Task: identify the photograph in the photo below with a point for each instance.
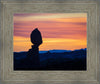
(50, 41)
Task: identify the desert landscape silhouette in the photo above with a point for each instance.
(50, 41)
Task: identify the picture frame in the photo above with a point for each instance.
(9, 76)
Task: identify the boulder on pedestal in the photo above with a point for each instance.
(33, 53)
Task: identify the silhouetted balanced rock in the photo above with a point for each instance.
(36, 37)
(33, 53)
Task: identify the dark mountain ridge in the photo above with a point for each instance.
(54, 60)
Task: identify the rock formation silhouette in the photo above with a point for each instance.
(33, 53)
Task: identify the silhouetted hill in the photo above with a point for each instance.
(53, 60)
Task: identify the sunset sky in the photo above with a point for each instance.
(66, 31)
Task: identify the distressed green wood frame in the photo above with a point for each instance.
(9, 76)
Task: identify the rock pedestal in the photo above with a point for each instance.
(33, 53)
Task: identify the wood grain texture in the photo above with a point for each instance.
(9, 7)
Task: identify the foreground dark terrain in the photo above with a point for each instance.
(53, 60)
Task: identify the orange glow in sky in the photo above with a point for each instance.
(65, 31)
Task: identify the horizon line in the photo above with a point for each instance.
(57, 49)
